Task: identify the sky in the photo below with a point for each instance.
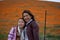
(52, 0)
(44, 0)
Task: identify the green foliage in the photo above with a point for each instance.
(3, 36)
(52, 37)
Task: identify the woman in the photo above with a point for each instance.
(31, 29)
(16, 33)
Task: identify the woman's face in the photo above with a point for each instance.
(27, 17)
(21, 23)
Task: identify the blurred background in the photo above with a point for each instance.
(47, 15)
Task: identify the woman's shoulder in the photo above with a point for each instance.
(14, 27)
(33, 22)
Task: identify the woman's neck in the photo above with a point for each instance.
(20, 27)
(29, 21)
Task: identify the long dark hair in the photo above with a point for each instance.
(28, 12)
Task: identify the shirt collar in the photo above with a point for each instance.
(28, 22)
(19, 29)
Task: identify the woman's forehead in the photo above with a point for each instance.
(25, 14)
(20, 20)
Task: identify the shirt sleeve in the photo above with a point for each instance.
(11, 34)
(35, 30)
